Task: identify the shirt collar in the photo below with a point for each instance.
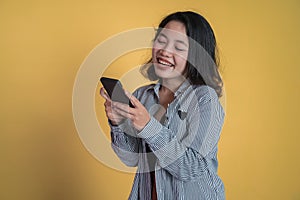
(180, 90)
(182, 87)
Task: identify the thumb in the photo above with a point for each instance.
(133, 99)
(104, 94)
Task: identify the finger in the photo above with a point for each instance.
(122, 113)
(104, 94)
(114, 118)
(122, 106)
(113, 112)
(129, 95)
(133, 99)
(124, 110)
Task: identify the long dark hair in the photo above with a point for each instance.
(203, 60)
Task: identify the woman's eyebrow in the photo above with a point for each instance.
(161, 34)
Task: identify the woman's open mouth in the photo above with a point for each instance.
(164, 62)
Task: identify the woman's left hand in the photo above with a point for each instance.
(138, 115)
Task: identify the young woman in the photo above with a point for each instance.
(172, 132)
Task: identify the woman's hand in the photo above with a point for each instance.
(138, 115)
(113, 116)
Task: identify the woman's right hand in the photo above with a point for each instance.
(114, 117)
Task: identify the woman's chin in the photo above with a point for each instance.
(163, 72)
(167, 74)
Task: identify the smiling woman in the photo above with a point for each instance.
(172, 131)
(195, 42)
(170, 51)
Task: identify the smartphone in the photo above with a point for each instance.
(115, 90)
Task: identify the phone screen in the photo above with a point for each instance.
(115, 90)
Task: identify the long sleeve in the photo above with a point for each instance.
(125, 143)
(188, 152)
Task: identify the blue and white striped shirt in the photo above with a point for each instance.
(184, 145)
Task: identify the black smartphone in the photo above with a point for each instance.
(115, 90)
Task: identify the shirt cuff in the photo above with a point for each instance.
(152, 128)
(124, 127)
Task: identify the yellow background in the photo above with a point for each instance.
(43, 43)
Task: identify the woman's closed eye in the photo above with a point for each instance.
(161, 40)
(179, 48)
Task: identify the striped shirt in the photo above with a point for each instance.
(184, 145)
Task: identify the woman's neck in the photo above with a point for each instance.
(171, 85)
(166, 96)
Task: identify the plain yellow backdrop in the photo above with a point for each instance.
(43, 43)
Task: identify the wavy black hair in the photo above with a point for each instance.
(203, 60)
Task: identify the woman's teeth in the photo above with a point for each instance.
(164, 63)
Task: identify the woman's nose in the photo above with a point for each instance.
(166, 52)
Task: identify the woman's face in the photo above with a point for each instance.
(170, 51)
